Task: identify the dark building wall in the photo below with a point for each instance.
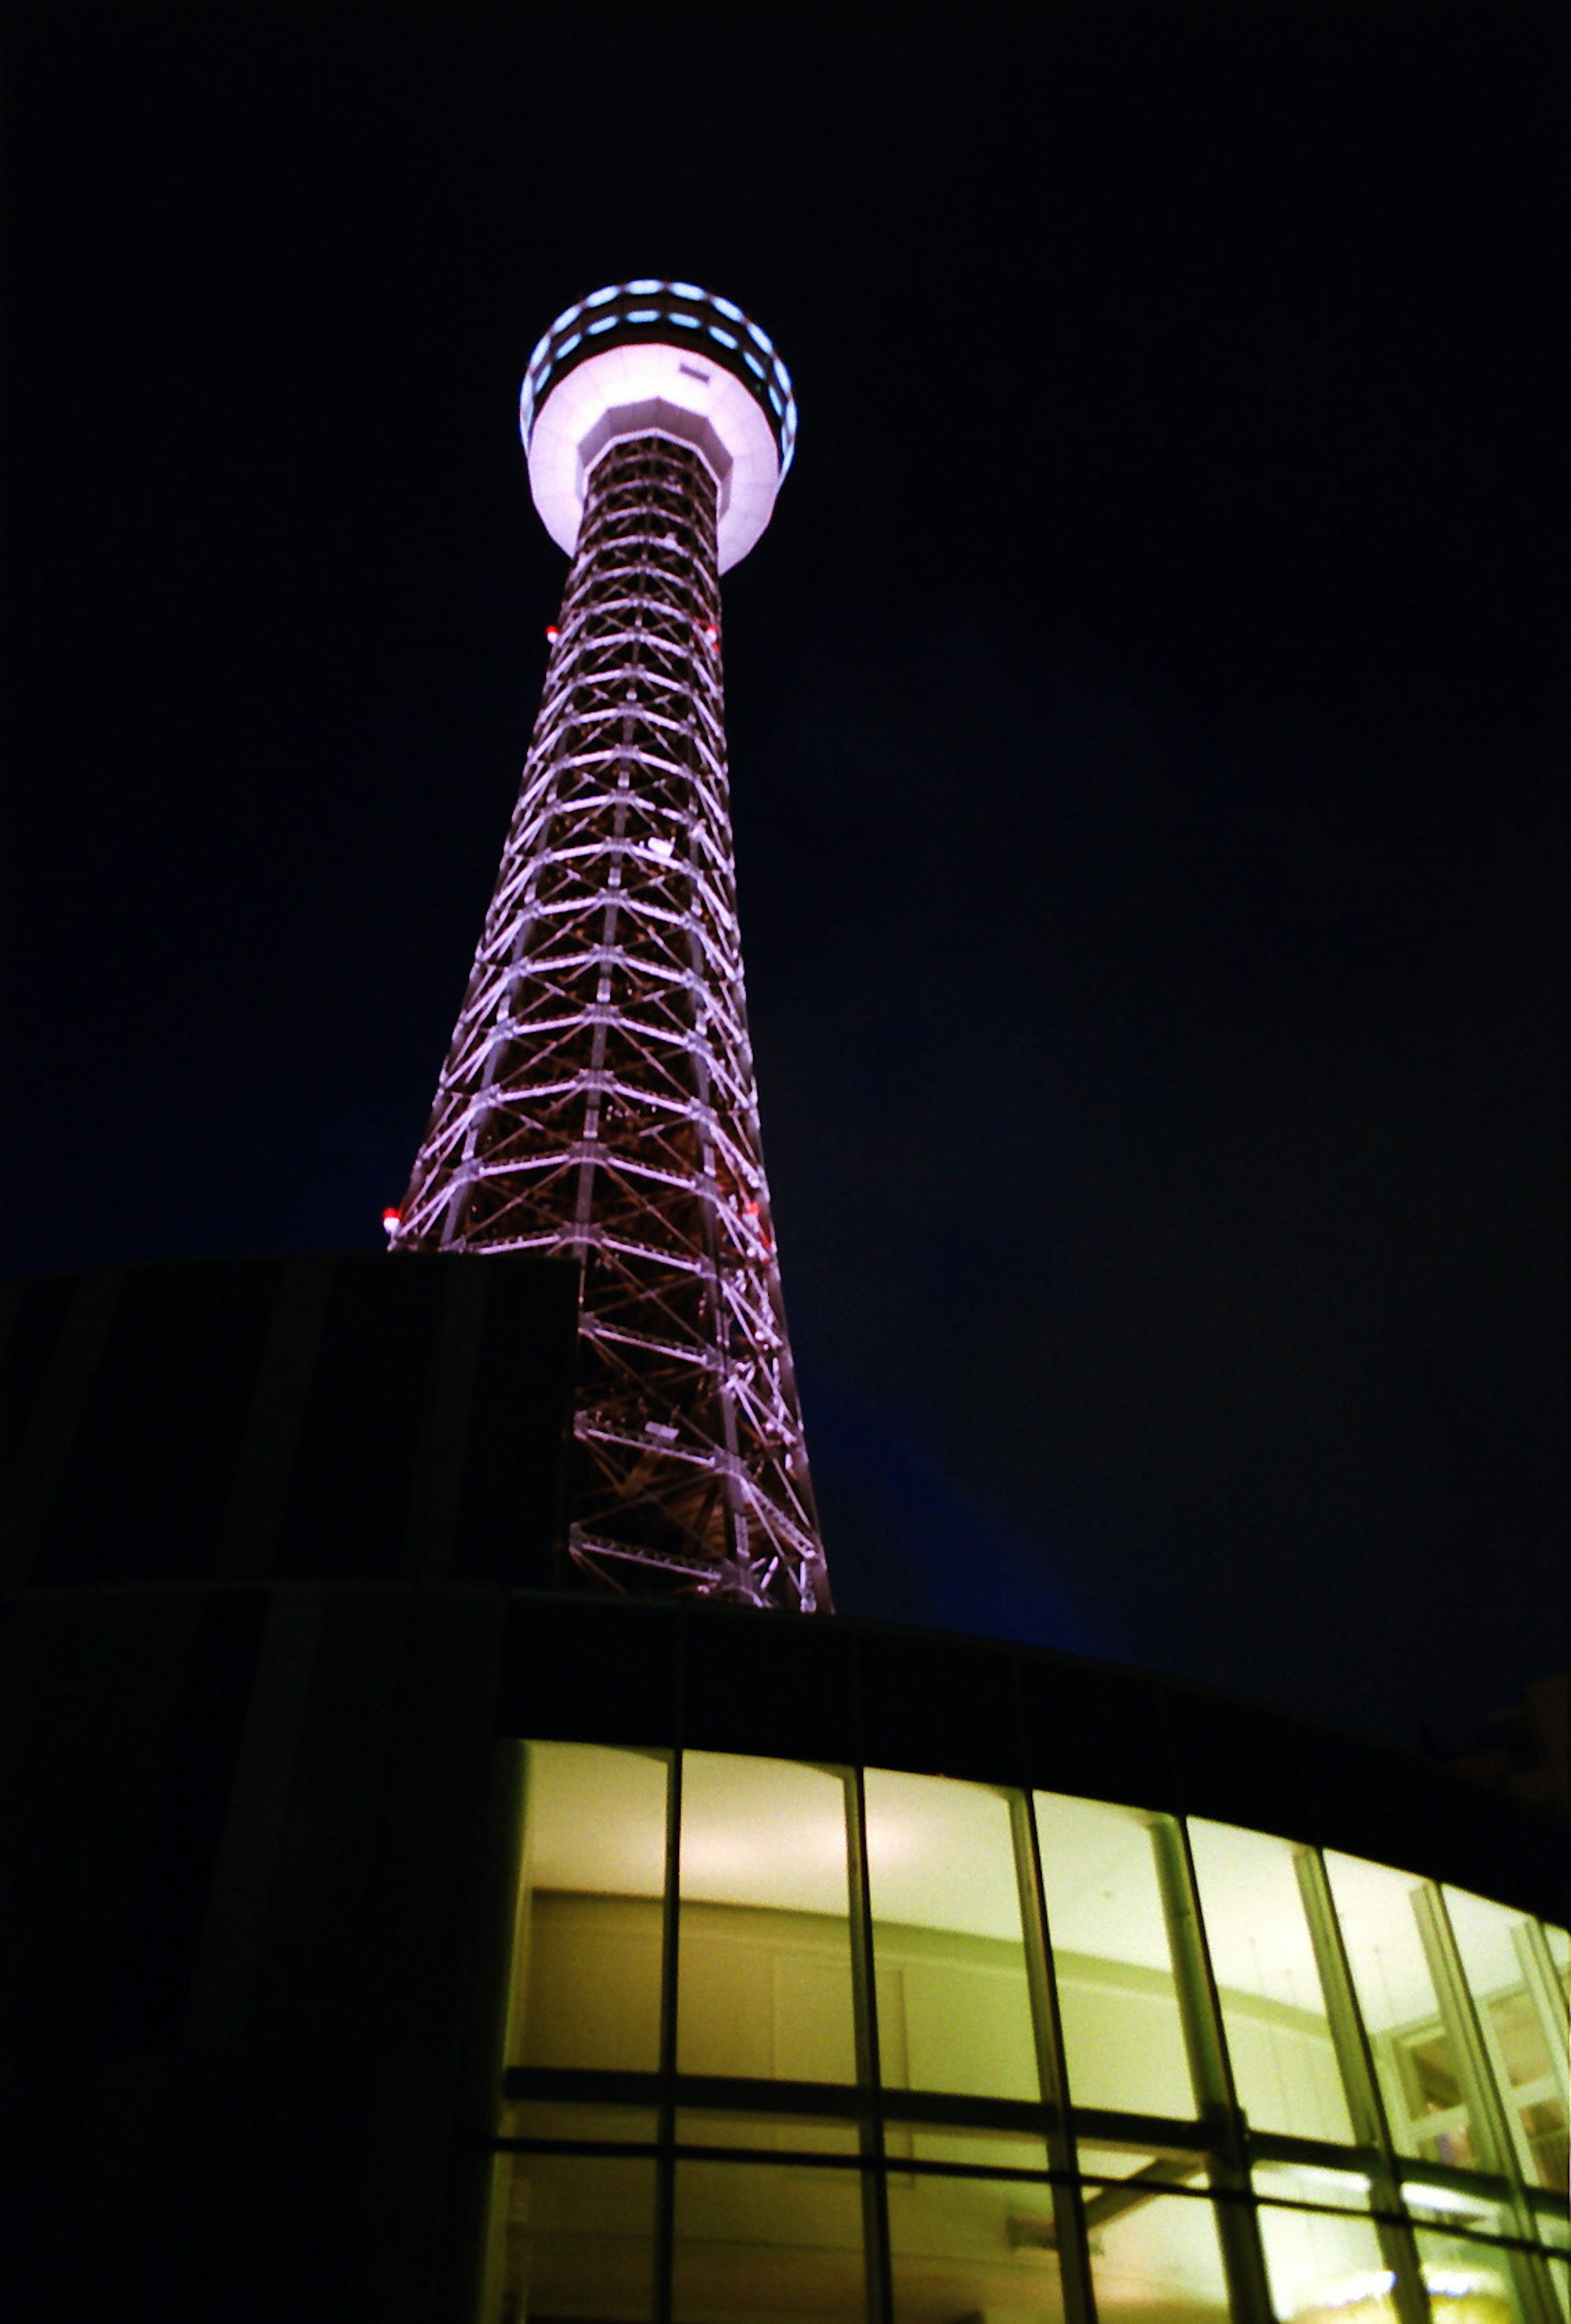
(250, 1828)
(252, 1833)
(317, 1416)
(253, 1824)
(250, 1710)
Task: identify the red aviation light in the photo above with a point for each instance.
(552, 631)
(392, 1219)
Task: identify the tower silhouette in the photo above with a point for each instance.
(598, 1098)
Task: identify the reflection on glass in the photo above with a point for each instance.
(972, 2248)
(763, 1961)
(587, 1990)
(573, 2235)
(1159, 2256)
(754, 2240)
(1467, 2282)
(953, 2009)
(1284, 2066)
(1312, 2182)
(1416, 2056)
(1320, 2265)
(1493, 1944)
(1453, 2208)
(1123, 2039)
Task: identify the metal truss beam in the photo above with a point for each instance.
(598, 1100)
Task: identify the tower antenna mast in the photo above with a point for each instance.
(598, 1098)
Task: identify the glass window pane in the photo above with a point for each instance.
(1467, 2282)
(1559, 1944)
(1158, 2257)
(1322, 2266)
(764, 1959)
(573, 2235)
(983, 2149)
(1284, 2065)
(757, 2240)
(1457, 2211)
(954, 2013)
(589, 1947)
(790, 2133)
(1129, 2162)
(1123, 2039)
(1492, 1941)
(1415, 2054)
(618, 2125)
(1312, 2182)
(972, 2248)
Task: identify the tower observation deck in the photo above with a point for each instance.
(598, 1098)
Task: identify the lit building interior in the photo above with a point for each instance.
(802, 2042)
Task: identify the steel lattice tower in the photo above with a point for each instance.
(598, 1098)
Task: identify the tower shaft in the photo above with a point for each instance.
(598, 1098)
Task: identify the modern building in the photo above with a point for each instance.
(453, 1884)
(396, 1939)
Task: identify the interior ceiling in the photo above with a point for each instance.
(770, 1833)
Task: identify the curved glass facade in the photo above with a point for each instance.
(795, 2042)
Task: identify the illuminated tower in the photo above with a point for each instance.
(598, 1098)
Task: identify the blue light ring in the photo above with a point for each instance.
(564, 348)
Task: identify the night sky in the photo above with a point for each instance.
(1146, 712)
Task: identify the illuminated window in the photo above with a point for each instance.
(744, 2170)
(1468, 2283)
(972, 2248)
(587, 1987)
(755, 2240)
(1517, 2015)
(1559, 1944)
(573, 2235)
(1284, 2065)
(1156, 2256)
(1123, 2037)
(764, 1961)
(1417, 2055)
(1320, 2265)
(954, 2013)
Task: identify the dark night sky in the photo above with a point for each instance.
(1146, 718)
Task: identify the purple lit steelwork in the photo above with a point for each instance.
(598, 1098)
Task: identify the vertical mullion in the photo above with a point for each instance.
(1200, 2016)
(1531, 1948)
(880, 2292)
(1361, 2086)
(1068, 2214)
(665, 2119)
(1492, 2125)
